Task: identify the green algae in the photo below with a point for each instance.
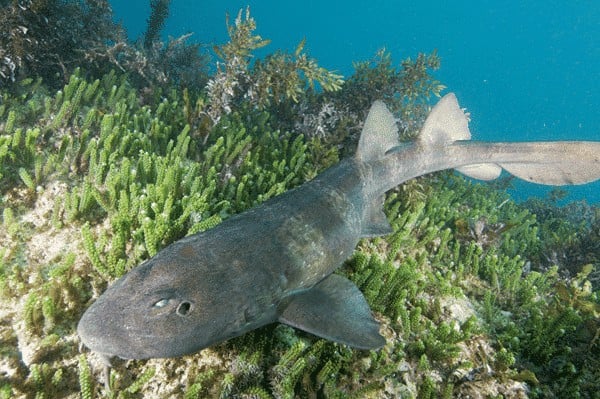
(94, 181)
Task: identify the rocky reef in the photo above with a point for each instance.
(479, 297)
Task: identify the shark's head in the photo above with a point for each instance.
(162, 308)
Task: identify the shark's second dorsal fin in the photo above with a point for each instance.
(378, 135)
(446, 123)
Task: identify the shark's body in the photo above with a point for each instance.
(275, 262)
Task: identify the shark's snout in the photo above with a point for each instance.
(115, 325)
(106, 335)
(93, 334)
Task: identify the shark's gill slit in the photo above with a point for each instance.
(184, 308)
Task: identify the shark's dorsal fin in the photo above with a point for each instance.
(446, 123)
(378, 135)
(336, 310)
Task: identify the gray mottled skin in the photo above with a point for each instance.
(275, 262)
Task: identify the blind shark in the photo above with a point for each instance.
(275, 262)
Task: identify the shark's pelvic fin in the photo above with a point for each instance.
(336, 310)
(375, 222)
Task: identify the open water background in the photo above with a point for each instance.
(526, 70)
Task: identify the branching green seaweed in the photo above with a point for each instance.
(277, 79)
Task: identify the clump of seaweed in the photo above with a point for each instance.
(406, 89)
(571, 236)
(158, 15)
(280, 77)
(336, 117)
(49, 38)
(157, 66)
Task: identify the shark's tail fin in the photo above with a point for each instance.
(552, 163)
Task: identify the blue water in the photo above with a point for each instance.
(526, 70)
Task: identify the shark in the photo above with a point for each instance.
(275, 262)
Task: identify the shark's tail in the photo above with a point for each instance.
(553, 163)
(443, 144)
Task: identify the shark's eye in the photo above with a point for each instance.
(161, 303)
(184, 308)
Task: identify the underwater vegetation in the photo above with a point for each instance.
(50, 38)
(479, 296)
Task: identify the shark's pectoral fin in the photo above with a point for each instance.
(335, 310)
